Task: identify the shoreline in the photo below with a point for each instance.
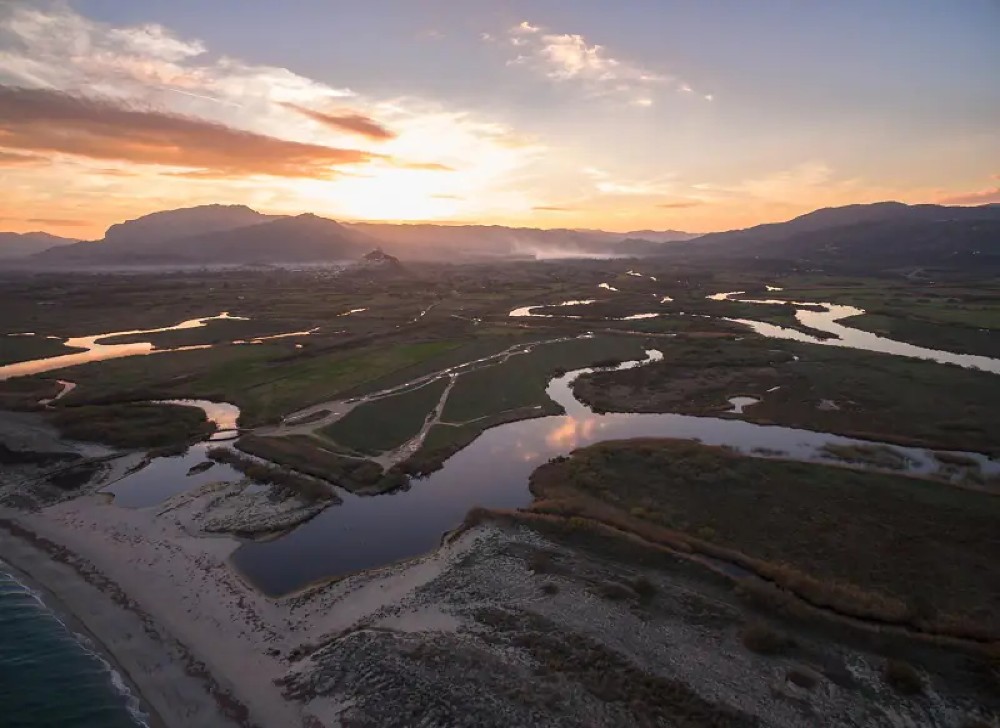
(150, 662)
(90, 642)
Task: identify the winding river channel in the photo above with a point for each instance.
(94, 350)
(493, 472)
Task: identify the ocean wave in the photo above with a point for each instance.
(15, 596)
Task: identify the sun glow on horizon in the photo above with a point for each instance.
(574, 133)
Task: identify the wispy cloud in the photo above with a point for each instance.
(605, 183)
(563, 57)
(18, 159)
(790, 185)
(45, 121)
(186, 125)
(56, 221)
(347, 121)
(987, 196)
(680, 204)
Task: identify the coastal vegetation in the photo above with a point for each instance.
(133, 425)
(309, 489)
(310, 456)
(857, 393)
(812, 530)
(15, 348)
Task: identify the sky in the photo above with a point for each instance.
(646, 114)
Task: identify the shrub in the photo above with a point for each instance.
(541, 562)
(644, 588)
(802, 677)
(706, 532)
(615, 591)
(764, 640)
(976, 723)
(903, 677)
(290, 482)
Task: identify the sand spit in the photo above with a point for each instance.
(501, 626)
(203, 648)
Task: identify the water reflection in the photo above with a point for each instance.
(162, 478)
(221, 414)
(96, 351)
(493, 472)
(827, 320)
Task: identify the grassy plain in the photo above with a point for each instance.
(881, 546)
(520, 382)
(22, 348)
(877, 396)
(439, 316)
(389, 422)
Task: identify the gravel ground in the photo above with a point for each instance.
(521, 631)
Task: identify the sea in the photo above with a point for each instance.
(51, 677)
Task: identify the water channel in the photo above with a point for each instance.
(492, 472)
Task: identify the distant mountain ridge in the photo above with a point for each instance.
(879, 235)
(883, 235)
(158, 227)
(237, 234)
(19, 245)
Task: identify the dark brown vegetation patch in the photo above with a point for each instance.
(309, 489)
(903, 677)
(133, 425)
(764, 639)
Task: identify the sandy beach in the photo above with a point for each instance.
(200, 645)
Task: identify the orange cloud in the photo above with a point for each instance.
(16, 159)
(351, 122)
(429, 166)
(56, 222)
(41, 120)
(680, 205)
(982, 197)
(550, 208)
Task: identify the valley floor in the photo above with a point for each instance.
(594, 605)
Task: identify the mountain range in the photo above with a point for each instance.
(21, 245)
(882, 235)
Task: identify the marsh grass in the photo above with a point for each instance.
(871, 545)
(765, 640)
(291, 483)
(903, 677)
(133, 425)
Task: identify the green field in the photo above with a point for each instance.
(266, 381)
(520, 382)
(389, 422)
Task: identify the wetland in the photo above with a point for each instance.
(331, 432)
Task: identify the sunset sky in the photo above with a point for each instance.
(656, 114)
